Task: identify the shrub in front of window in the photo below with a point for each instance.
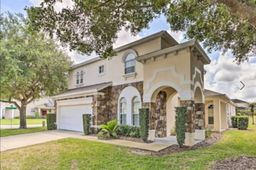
(144, 123)
(86, 123)
(234, 121)
(180, 124)
(108, 130)
(128, 131)
(242, 122)
(51, 121)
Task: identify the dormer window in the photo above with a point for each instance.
(129, 63)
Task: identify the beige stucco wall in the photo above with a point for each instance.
(114, 67)
(222, 110)
(172, 70)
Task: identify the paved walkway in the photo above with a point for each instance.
(17, 126)
(18, 141)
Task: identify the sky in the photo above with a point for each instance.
(222, 74)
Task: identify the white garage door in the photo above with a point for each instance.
(70, 117)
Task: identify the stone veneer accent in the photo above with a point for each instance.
(105, 106)
(158, 114)
(199, 116)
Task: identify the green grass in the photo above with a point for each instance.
(10, 132)
(17, 121)
(82, 154)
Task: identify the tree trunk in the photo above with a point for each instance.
(23, 122)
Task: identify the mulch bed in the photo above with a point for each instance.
(238, 163)
(175, 148)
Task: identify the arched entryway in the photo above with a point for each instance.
(163, 103)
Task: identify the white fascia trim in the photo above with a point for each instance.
(75, 94)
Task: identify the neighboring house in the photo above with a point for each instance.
(218, 111)
(155, 72)
(38, 107)
(241, 105)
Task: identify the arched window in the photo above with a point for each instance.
(123, 110)
(129, 63)
(135, 111)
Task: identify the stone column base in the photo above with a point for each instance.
(199, 134)
(189, 139)
(151, 135)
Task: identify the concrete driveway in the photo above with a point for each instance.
(18, 141)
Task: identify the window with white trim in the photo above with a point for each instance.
(101, 69)
(135, 110)
(77, 77)
(81, 77)
(123, 109)
(129, 63)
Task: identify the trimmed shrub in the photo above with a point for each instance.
(242, 122)
(51, 121)
(129, 131)
(180, 124)
(144, 123)
(86, 123)
(234, 121)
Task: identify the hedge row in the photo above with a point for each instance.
(144, 123)
(128, 131)
(180, 124)
(86, 123)
(51, 121)
(240, 122)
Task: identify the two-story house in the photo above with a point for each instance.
(155, 72)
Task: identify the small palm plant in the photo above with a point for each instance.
(108, 130)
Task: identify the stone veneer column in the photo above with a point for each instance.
(199, 121)
(190, 124)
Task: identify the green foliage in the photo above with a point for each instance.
(234, 121)
(51, 121)
(218, 24)
(129, 131)
(208, 133)
(242, 122)
(37, 116)
(180, 123)
(31, 65)
(86, 123)
(108, 130)
(144, 123)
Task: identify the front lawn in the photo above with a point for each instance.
(82, 154)
(10, 132)
(17, 121)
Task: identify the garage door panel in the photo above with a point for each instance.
(70, 117)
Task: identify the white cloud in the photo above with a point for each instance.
(124, 37)
(224, 75)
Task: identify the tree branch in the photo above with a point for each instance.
(10, 101)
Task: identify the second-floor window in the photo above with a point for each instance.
(129, 64)
(101, 69)
(80, 77)
(77, 77)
